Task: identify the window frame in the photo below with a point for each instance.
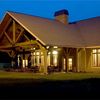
(97, 54)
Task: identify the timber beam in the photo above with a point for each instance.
(21, 33)
(5, 27)
(26, 37)
(6, 46)
(9, 39)
(14, 31)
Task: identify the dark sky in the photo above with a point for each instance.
(78, 9)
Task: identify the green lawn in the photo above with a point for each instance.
(53, 76)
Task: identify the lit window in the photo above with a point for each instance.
(94, 50)
(70, 63)
(48, 60)
(55, 57)
(96, 57)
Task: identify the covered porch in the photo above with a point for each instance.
(27, 51)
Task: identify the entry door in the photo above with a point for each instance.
(70, 63)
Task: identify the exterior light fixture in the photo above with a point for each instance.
(55, 52)
(47, 47)
(55, 47)
(37, 53)
(94, 50)
(32, 48)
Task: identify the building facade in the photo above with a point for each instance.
(51, 45)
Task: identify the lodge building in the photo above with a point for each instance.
(51, 44)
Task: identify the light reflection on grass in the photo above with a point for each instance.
(53, 76)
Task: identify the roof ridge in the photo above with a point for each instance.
(29, 15)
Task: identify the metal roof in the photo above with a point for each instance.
(52, 32)
(90, 31)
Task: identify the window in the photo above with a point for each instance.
(96, 57)
(37, 58)
(48, 58)
(55, 57)
(42, 59)
(70, 63)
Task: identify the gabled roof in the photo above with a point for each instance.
(90, 31)
(51, 32)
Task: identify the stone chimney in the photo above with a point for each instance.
(62, 16)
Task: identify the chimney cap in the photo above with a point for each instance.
(60, 12)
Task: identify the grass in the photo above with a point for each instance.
(53, 76)
(55, 85)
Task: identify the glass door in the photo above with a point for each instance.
(70, 63)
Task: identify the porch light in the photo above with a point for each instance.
(55, 47)
(70, 59)
(94, 50)
(55, 52)
(32, 48)
(37, 53)
(47, 47)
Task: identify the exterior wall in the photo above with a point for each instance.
(81, 60)
(90, 68)
(85, 61)
(88, 60)
(69, 53)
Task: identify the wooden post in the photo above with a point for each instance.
(40, 60)
(45, 62)
(66, 59)
(14, 31)
(12, 54)
(85, 60)
(77, 60)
